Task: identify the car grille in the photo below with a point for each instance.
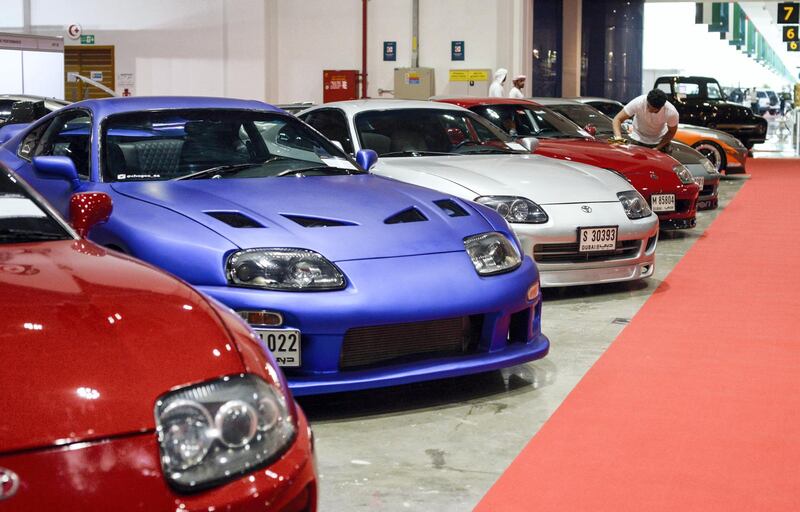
(568, 253)
(708, 190)
(369, 346)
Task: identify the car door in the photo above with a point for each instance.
(332, 123)
(68, 134)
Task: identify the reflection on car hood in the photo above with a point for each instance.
(358, 206)
(622, 158)
(91, 339)
(543, 180)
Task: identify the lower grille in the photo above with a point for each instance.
(381, 344)
(708, 190)
(568, 253)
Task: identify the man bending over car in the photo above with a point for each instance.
(655, 121)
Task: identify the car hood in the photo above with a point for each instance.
(91, 339)
(358, 211)
(621, 158)
(543, 180)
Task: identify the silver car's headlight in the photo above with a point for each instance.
(283, 269)
(683, 174)
(635, 205)
(492, 253)
(515, 209)
(708, 166)
(216, 430)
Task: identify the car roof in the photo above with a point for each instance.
(586, 99)
(355, 106)
(555, 101)
(109, 106)
(472, 101)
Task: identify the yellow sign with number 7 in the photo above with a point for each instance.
(788, 12)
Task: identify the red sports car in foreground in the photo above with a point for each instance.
(666, 184)
(125, 389)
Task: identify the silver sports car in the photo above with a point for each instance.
(581, 224)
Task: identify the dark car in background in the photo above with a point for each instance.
(14, 108)
(700, 101)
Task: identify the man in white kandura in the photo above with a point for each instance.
(496, 89)
(655, 121)
(519, 84)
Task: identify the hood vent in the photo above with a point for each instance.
(451, 208)
(408, 215)
(235, 219)
(314, 222)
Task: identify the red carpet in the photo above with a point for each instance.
(696, 405)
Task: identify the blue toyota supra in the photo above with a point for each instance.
(352, 280)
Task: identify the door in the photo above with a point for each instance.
(95, 62)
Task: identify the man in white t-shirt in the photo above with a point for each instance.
(655, 120)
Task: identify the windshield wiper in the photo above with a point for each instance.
(487, 151)
(323, 168)
(30, 234)
(220, 170)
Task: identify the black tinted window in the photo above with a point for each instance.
(584, 114)
(22, 219)
(524, 121)
(332, 124)
(69, 135)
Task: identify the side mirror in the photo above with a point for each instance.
(529, 143)
(338, 144)
(57, 168)
(367, 158)
(88, 209)
(591, 129)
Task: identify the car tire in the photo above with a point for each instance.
(713, 152)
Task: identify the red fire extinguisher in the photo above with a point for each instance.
(126, 92)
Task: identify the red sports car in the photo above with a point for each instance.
(125, 389)
(666, 184)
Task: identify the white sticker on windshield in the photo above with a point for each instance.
(13, 207)
(338, 163)
(515, 146)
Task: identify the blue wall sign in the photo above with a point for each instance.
(390, 50)
(457, 50)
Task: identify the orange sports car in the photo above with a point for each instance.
(724, 150)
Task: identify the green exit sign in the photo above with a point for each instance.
(87, 39)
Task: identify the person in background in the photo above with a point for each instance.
(496, 89)
(519, 84)
(655, 121)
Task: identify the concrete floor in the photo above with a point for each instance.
(441, 445)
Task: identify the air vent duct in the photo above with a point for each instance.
(315, 222)
(409, 215)
(451, 208)
(235, 219)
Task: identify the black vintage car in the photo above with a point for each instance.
(701, 102)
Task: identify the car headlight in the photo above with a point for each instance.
(683, 174)
(492, 253)
(283, 269)
(708, 166)
(635, 205)
(213, 431)
(515, 209)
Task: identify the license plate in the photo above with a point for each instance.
(663, 202)
(700, 181)
(284, 345)
(597, 239)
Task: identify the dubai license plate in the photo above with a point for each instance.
(284, 345)
(597, 239)
(701, 181)
(663, 202)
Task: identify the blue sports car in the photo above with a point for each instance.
(352, 280)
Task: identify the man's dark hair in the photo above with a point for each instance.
(656, 98)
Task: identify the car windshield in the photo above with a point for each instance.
(524, 121)
(429, 131)
(585, 114)
(22, 217)
(215, 143)
(607, 107)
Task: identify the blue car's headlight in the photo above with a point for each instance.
(492, 253)
(215, 430)
(635, 205)
(515, 209)
(283, 269)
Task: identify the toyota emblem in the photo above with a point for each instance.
(586, 208)
(9, 483)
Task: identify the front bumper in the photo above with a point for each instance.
(394, 292)
(707, 198)
(124, 474)
(685, 206)
(554, 245)
(736, 159)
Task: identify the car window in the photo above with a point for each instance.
(213, 143)
(688, 90)
(69, 135)
(426, 131)
(713, 92)
(5, 109)
(29, 143)
(609, 109)
(585, 114)
(665, 86)
(22, 217)
(524, 121)
(331, 123)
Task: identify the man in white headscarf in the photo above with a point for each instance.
(496, 89)
(519, 84)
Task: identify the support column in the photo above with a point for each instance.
(571, 48)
